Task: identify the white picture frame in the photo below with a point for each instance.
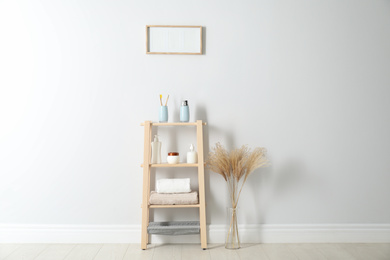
(174, 39)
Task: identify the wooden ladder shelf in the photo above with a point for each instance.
(146, 180)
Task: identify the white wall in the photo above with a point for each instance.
(309, 80)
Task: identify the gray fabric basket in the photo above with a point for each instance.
(174, 228)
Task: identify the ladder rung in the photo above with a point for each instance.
(175, 206)
(167, 165)
(174, 124)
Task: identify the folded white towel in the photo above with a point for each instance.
(173, 185)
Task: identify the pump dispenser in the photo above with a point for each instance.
(192, 156)
(156, 150)
(184, 112)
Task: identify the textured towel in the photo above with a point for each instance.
(173, 185)
(173, 198)
(174, 228)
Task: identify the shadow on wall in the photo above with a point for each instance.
(288, 177)
(201, 114)
(263, 186)
(269, 184)
(258, 188)
(266, 184)
(214, 203)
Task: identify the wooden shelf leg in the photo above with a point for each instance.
(202, 201)
(146, 185)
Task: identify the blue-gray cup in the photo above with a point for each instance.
(163, 114)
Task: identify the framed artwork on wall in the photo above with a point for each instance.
(174, 39)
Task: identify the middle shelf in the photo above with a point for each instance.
(174, 206)
(167, 165)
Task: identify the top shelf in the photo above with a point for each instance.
(174, 124)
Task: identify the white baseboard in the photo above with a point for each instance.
(324, 233)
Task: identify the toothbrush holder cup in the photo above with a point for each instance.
(163, 114)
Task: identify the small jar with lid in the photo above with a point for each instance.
(173, 158)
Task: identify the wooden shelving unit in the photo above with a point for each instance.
(146, 180)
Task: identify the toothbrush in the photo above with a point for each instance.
(160, 99)
(166, 101)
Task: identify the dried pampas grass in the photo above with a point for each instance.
(236, 166)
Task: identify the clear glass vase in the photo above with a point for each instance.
(232, 238)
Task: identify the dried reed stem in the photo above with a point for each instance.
(236, 166)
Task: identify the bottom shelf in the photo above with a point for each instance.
(174, 228)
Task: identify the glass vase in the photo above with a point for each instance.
(232, 238)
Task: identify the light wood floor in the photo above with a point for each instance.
(193, 251)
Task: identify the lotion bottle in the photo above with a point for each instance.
(192, 156)
(184, 112)
(156, 150)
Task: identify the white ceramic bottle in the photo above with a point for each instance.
(156, 150)
(192, 156)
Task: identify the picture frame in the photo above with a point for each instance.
(174, 39)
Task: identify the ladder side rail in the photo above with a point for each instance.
(146, 184)
(202, 200)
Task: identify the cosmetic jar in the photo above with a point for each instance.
(173, 158)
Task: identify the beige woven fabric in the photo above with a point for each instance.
(173, 198)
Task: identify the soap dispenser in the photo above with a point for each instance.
(156, 150)
(192, 156)
(184, 112)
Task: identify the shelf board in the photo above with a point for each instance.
(174, 124)
(167, 165)
(174, 206)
